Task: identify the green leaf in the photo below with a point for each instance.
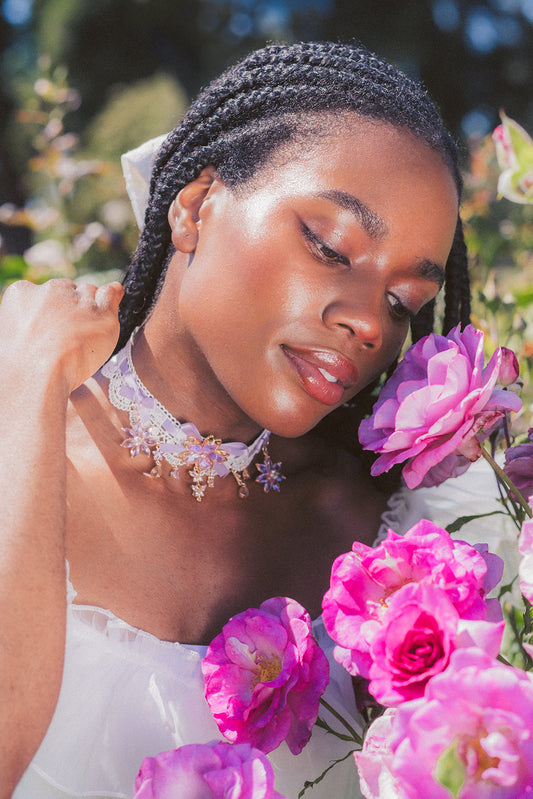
(462, 520)
(12, 267)
(506, 589)
(450, 770)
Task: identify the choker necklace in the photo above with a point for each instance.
(154, 431)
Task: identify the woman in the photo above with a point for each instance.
(303, 214)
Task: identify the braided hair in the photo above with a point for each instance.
(269, 98)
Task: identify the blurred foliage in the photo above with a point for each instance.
(77, 218)
(474, 55)
(499, 236)
(135, 113)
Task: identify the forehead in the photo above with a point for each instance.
(350, 143)
(377, 161)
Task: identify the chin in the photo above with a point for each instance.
(293, 427)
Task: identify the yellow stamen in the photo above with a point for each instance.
(268, 668)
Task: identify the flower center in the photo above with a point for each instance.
(476, 759)
(268, 668)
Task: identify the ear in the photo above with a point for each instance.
(183, 214)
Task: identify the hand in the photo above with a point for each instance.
(67, 330)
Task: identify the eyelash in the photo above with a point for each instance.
(326, 253)
(398, 310)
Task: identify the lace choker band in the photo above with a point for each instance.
(154, 431)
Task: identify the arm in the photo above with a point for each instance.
(52, 338)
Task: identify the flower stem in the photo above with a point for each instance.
(357, 738)
(507, 482)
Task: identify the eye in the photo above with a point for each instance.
(322, 250)
(398, 310)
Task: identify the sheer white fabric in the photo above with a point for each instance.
(126, 694)
(475, 492)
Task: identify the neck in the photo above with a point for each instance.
(171, 374)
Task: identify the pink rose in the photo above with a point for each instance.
(374, 760)
(438, 405)
(216, 770)
(264, 676)
(419, 631)
(509, 368)
(364, 581)
(525, 569)
(470, 736)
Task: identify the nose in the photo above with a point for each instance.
(359, 321)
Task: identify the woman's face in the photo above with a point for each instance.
(303, 281)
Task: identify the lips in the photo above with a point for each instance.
(324, 374)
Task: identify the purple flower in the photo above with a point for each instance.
(470, 736)
(204, 452)
(519, 465)
(270, 475)
(438, 405)
(264, 676)
(216, 770)
(364, 581)
(140, 438)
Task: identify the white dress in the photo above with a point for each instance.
(125, 694)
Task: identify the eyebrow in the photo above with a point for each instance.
(431, 271)
(372, 223)
(376, 227)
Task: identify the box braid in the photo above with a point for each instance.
(271, 97)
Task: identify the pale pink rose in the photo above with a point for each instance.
(374, 759)
(437, 407)
(470, 736)
(264, 676)
(514, 151)
(419, 631)
(217, 770)
(525, 569)
(509, 368)
(363, 582)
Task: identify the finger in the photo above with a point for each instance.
(87, 290)
(108, 297)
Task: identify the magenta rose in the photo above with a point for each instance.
(217, 770)
(470, 736)
(264, 676)
(419, 631)
(364, 581)
(519, 465)
(438, 405)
